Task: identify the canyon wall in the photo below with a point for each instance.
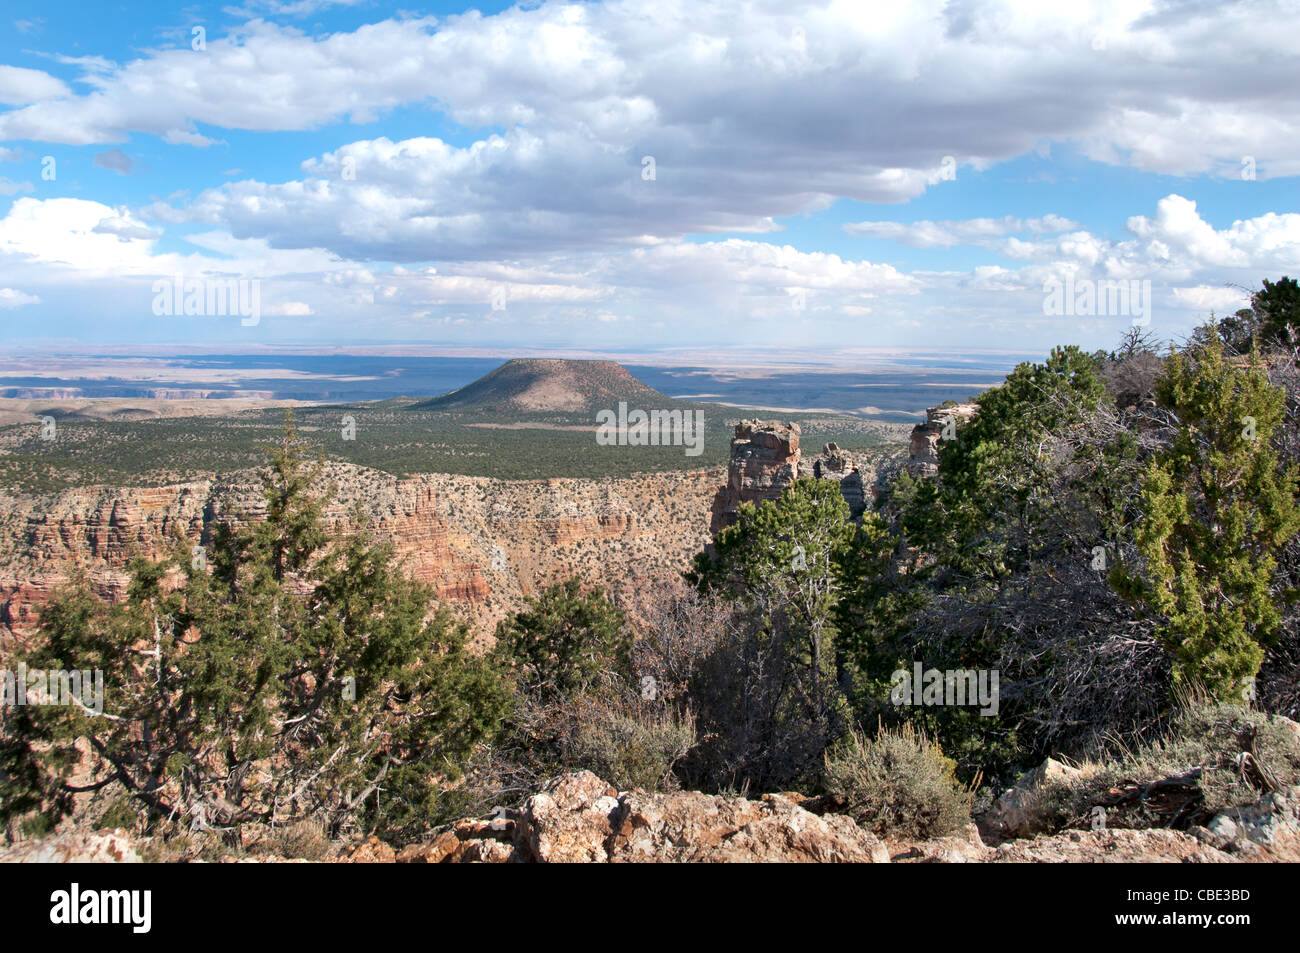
(477, 542)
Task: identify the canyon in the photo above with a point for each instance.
(480, 543)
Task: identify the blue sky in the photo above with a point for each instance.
(825, 175)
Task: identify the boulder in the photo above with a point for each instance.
(1020, 811)
(786, 833)
(370, 851)
(677, 827)
(569, 821)
(1272, 822)
(75, 847)
(1119, 846)
(964, 848)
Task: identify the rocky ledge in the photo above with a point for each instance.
(578, 818)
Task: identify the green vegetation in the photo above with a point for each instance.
(579, 703)
(1277, 310)
(780, 558)
(294, 681)
(393, 436)
(1272, 320)
(1108, 531)
(1217, 507)
(995, 478)
(564, 641)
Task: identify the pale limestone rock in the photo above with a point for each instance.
(1017, 812)
(77, 847)
(563, 824)
(1110, 847)
(578, 818)
(965, 847)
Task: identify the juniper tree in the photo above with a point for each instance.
(1216, 508)
(563, 640)
(296, 679)
(980, 516)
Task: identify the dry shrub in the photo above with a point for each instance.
(302, 840)
(1208, 758)
(1239, 753)
(631, 746)
(898, 783)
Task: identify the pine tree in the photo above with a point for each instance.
(1277, 309)
(784, 560)
(981, 515)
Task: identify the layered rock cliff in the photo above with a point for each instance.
(923, 448)
(766, 458)
(764, 461)
(478, 542)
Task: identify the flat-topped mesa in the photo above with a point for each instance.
(839, 465)
(923, 451)
(764, 461)
(531, 384)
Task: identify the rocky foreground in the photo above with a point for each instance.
(578, 818)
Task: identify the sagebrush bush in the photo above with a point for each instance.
(599, 723)
(1066, 800)
(302, 840)
(632, 749)
(898, 782)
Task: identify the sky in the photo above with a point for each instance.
(631, 176)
